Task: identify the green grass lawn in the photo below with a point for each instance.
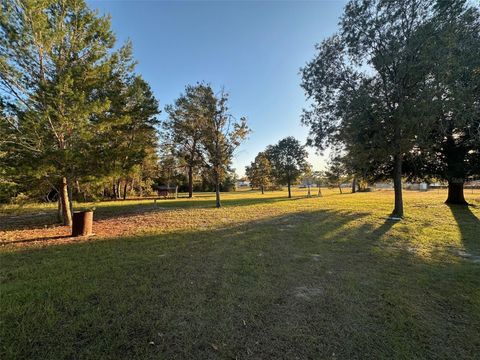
(262, 277)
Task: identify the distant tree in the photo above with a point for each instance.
(288, 159)
(170, 170)
(185, 126)
(308, 179)
(222, 134)
(260, 172)
(336, 173)
(319, 180)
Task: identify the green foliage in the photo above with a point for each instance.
(398, 78)
(288, 160)
(184, 128)
(71, 106)
(451, 149)
(222, 134)
(201, 137)
(336, 173)
(260, 172)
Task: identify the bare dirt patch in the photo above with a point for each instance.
(107, 228)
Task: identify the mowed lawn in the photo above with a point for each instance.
(264, 277)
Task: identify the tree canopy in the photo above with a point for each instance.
(68, 96)
(371, 83)
(260, 172)
(288, 159)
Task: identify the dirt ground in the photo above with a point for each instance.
(108, 228)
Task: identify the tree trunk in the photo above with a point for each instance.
(217, 191)
(125, 190)
(114, 189)
(70, 197)
(455, 193)
(59, 209)
(354, 185)
(261, 187)
(308, 191)
(190, 181)
(397, 185)
(65, 203)
(118, 189)
(78, 188)
(289, 191)
(319, 191)
(455, 157)
(340, 188)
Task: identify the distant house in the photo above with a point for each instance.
(473, 184)
(416, 186)
(406, 185)
(243, 183)
(383, 185)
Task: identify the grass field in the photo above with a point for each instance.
(264, 277)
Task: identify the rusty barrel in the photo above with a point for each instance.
(82, 223)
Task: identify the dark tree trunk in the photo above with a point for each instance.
(455, 157)
(125, 190)
(216, 177)
(65, 203)
(114, 189)
(455, 193)
(217, 196)
(217, 191)
(59, 209)
(70, 197)
(261, 188)
(319, 191)
(354, 185)
(190, 181)
(397, 186)
(289, 191)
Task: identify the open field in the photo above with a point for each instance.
(262, 277)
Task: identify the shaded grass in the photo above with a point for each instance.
(314, 278)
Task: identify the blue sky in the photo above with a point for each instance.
(254, 49)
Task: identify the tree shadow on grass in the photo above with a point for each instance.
(271, 288)
(286, 223)
(37, 239)
(125, 210)
(469, 226)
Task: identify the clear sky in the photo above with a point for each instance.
(254, 49)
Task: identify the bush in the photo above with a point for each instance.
(8, 190)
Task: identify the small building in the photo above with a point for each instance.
(383, 185)
(166, 191)
(242, 183)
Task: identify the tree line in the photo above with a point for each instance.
(77, 122)
(396, 91)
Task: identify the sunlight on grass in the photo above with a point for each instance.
(265, 273)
